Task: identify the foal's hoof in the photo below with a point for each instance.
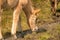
(14, 37)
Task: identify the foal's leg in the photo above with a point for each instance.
(54, 4)
(0, 21)
(31, 17)
(15, 20)
(0, 34)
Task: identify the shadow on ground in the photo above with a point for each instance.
(58, 10)
(22, 34)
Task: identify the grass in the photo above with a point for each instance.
(44, 17)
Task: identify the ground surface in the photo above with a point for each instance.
(48, 31)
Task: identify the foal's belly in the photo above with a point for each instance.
(9, 3)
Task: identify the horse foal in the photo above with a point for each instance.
(19, 5)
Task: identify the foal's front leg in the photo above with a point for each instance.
(1, 37)
(15, 20)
